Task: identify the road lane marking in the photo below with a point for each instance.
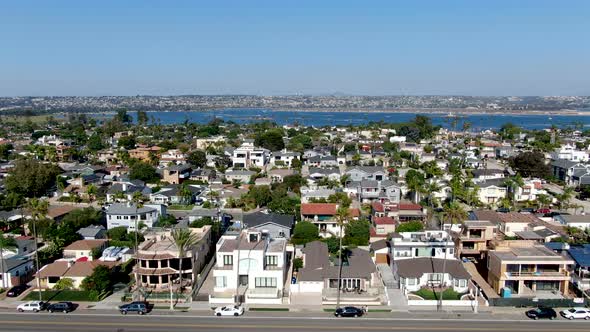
(267, 326)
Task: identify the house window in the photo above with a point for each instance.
(462, 283)
(411, 281)
(271, 260)
(265, 282)
(434, 277)
(221, 282)
(228, 260)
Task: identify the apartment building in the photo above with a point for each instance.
(474, 237)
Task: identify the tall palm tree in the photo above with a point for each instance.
(454, 213)
(543, 200)
(185, 194)
(6, 243)
(565, 197)
(38, 209)
(342, 215)
(184, 240)
(91, 191)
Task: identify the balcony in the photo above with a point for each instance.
(537, 274)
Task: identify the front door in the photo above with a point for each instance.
(243, 280)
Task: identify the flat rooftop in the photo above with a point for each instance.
(538, 253)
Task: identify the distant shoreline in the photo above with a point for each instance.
(437, 111)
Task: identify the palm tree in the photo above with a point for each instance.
(543, 200)
(342, 215)
(6, 243)
(38, 209)
(513, 183)
(184, 240)
(91, 192)
(565, 197)
(431, 188)
(185, 194)
(454, 213)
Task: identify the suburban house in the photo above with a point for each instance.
(359, 173)
(474, 238)
(316, 174)
(529, 192)
(429, 272)
(324, 215)
(174, 194)
(319, 275)
(159, 259)
(82, 249)
(277, 175)
(401, 212)
(492, 191)
(93, 232)
(250, 268)
(483, 174)
(123, 190)
(569, 152)
(308, 194)
(145, 154)
(564, 169)
(77, 271)
(437, 244)
(381, 228)
(176, 174)
(242, 176)
(129, 214)
(284, 158)
(370, 190)
(272, 224)
(528, 271)
(16, 270)
(322, 161)
(203, 175)
(578, 221)
(173, 156)
(381, 251)
(581, 270)
(247, 155)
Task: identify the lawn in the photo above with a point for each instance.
(429, 294)
(180, 207)
(65, 295)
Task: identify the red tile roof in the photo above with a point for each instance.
(409, 206)
(384, 221)
(318, 209)
(378, 207)
(354, 212)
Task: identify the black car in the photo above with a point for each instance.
(64, 307)
(528, 210)
(349, 312)
(138, 307)
(503, 210)
(16, 291)
(541, 312)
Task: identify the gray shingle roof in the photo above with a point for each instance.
(417, 267)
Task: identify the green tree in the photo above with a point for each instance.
(31, 178)
(95, 143)
(454, 213)
(166, 220)
(64, 284)
(357, 233)
(197, 158)
(305, 232)
(300, 143)
(415, 183)
(123, 117)
(99, 281)
(530, 164)
(142, 118)
(184, 240)
(271, 139)
(410, 226)
(261, 195)
(126, 142)
(144, 172)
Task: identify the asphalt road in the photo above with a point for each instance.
(116, 323)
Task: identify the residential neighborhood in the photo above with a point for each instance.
(210, 215)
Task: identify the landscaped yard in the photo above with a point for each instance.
(64, 295)
(181, 207)
(429, 294)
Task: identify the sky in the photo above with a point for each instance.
(280, 47)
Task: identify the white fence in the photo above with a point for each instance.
(445, 303)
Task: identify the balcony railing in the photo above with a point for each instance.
(537, 274)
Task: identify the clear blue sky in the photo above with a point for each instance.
(387, 47)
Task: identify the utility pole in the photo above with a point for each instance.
(339, 270)
(440, 298)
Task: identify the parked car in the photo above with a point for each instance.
(527, 210)
(541, 312)
(138, 307)
(349, 312)
(235, 310)
(503, 210)
(34, 306)
(576, 313)
(64, 307)
(16, 290)
(543, 211)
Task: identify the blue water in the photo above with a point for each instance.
(478, 121)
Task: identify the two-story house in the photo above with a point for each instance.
(250, 268)
(284, 158)
(569, 152)
(159, 259)
(130, 215)
(176, 174)
(474, 238)
(247, 155)
(528, 271)
(408, 245)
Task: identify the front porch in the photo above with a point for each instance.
(370, 296)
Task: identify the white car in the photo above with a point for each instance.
(234, 310)
(576, 313)
(34, 306)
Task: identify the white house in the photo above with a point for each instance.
(529, 192)
(408, 245)
(129, 214)
(250, 265)
(492, 191)
(430, 272)
(569, 152)
(284, 158)
(247, 155)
